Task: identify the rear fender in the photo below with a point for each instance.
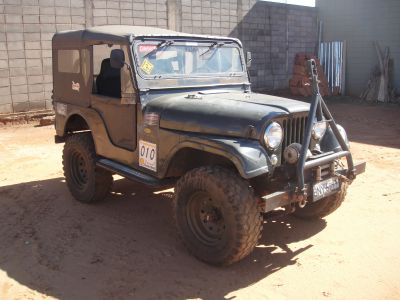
(102, 141)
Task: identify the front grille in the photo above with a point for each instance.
(293, 130)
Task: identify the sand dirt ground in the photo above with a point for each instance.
(126, 247)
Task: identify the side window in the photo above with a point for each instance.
(107, 79)
(68, 61)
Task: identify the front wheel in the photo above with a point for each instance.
(217, 215)
(323, 207)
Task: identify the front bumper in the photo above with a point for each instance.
(290, 196)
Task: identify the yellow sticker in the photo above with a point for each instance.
(147, 66)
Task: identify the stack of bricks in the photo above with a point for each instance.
(300, 84)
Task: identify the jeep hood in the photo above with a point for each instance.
(226, 114)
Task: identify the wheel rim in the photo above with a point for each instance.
(79, 169)
(205, 218)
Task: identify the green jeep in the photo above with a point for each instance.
(172, 109)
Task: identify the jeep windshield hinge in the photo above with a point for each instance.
(319, 112)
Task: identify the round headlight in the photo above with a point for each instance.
(273, 135)
(318, 130)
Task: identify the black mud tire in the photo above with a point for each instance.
(86, 182)
(323, 207)
(217, 215)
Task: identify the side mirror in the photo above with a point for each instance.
(248, 59)
(117, 58)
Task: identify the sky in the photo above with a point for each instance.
(296, 2)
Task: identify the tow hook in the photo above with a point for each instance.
(301, 199)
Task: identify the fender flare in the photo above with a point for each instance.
(248, 156)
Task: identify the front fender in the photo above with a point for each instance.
(248, 156)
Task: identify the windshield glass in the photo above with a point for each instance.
(178, 59)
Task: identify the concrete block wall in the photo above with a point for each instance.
(272, 32)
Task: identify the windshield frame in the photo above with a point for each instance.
(181, 41)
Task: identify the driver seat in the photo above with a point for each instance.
(108, 82)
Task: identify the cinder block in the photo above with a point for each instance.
(77, 11)
(16, 54)
(151, 22)
(5, 99)
(62, 3)
(100, 4)
(12, 28)
(46, 53)
(13, 19)
(6, 108)
(99, 21)
(19, 80)
(21, 106)
(77, 3)
(3, 63)
(31, 28)
(30, 10)
(112, 12)
(126, 21)
(35, 88)
(113, 4)
(47, 10)
(46, 3)
(3, 55)
(78, 20)
(62, 27)
(139, 21)
(32, 53)
(47, 27)
(99, 12)
(47, 19)
(31, 19)
(17, 71)
(34, 71)
(49, 102)
(150, 15)
(32, 45)
(30, 2)
(4, 82)
(14, 36)
(46, 36)
(126, 13)
(13, 9)
(17, 62)
(63, 19)
(36, 96)
(19, 89)
(37, 105)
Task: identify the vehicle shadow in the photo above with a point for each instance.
(123, 248)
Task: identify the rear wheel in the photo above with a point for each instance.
(86, 182)
(323, 207)
(217, 215)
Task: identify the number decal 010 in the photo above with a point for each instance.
(148, 155)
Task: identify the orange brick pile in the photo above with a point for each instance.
(300, 84)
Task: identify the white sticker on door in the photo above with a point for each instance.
(148, 155)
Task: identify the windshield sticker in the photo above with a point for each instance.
(148, 155)
(147, 66)
(143, 49)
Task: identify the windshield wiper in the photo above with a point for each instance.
(163, 44)
(214, 45)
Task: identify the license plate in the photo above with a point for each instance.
(325, 188)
